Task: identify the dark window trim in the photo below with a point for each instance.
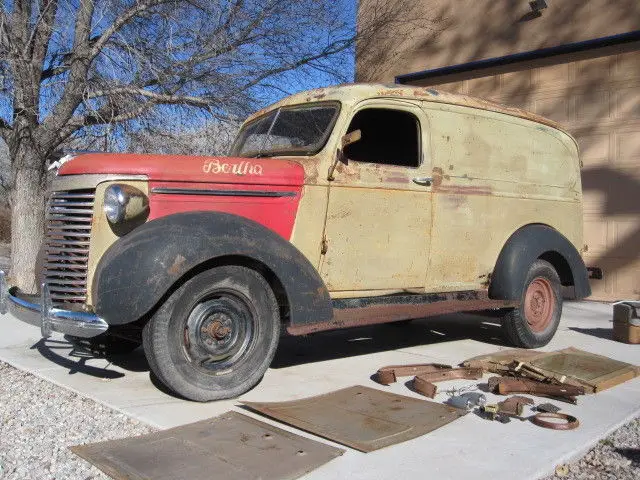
(542, 53)
(395, 109)
(320, 144)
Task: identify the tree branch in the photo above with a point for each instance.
(5, 130)
(80, 62)
(104, 116)
(41, 36)
(155, 97)
(124, 18)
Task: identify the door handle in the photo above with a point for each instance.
(426, 181)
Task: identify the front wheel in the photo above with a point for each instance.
(215, 336)
(534, 323)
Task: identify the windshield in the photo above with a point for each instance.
(300, 130)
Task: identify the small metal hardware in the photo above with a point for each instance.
(548, 408)
(425, 181)
(468, 400)
(570, 422)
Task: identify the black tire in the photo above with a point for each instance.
(215, 336)
(105, 344)
(534, 323)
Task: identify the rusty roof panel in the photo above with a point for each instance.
(355, 92)
(361, 417)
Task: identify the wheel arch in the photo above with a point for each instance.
(267, 273)
(525, 246)
(170, 250)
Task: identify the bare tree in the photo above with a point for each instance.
(73, 66)
(4, 174)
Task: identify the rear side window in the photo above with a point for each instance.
(389, 137)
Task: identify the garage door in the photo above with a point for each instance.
(598, 101)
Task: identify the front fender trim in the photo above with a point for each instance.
(139, 269)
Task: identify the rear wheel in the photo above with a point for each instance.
(534, 323)
(216, 335)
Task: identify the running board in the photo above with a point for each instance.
(358, 312)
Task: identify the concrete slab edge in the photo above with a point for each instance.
(580, 452)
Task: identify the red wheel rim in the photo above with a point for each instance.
(539, 303)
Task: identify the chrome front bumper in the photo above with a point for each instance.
(46, 316)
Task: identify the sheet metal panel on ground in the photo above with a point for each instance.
(361, 417)
(230, 447)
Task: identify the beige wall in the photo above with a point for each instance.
(594, 94)
(439, 33)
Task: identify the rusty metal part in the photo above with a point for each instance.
(230, 447)
(548, 408)
(506, 385)
(569, 366)
(444, 374)
(594, 372)
(360, 417)
(424, 387)
(216, 330)
(390, 374)
(498, 362)
(356, 312)
(528, 370)
(514, 405)
(539, 302)
(423, 383)
(571, 422)
(492, 412)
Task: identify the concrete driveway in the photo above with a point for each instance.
(467, 448)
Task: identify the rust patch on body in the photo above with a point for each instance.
(437, 176)
(175, 269)
(396, 179)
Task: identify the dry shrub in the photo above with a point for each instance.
(5, 224)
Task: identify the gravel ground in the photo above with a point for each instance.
(616, 457)
(39, 420)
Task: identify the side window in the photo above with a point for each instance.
(390, 137)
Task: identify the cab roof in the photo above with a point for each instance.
(355, 92)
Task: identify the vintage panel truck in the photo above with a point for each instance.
(337, 207)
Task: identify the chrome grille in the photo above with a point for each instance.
(67, 237)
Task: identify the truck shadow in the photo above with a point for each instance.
(351, 342)
(294, 351)
(74, 358)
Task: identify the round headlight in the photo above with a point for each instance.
(124, 202)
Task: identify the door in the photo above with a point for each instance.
(379, 207)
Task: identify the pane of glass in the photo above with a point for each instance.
(293, 131)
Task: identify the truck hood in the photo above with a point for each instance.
(182, 168)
